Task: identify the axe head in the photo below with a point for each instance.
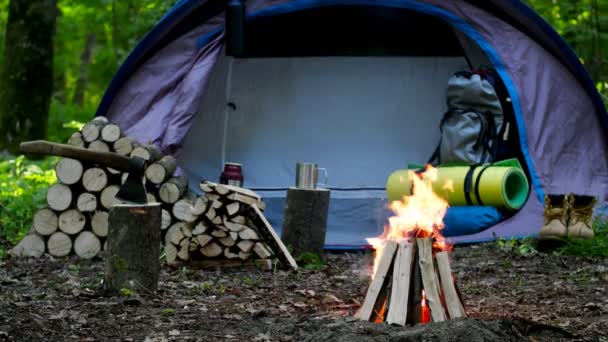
(133, 190)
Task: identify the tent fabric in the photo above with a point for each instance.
(562, 130)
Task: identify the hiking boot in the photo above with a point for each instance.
(555, 225)
(581, 210)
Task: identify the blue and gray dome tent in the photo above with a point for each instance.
(357, 86)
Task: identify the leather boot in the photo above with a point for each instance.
(555, 225)
(580, 224)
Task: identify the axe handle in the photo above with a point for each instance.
(109, 159)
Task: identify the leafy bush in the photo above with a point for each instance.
(23, 185)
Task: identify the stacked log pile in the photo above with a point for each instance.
(219, 225)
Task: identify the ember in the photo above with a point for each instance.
(412, 280)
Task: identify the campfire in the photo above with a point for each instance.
(412, 280)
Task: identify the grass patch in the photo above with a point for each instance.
(23, 185)
(310, 261)
(596, 247)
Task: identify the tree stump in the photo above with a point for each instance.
(133, 248)
(305, 220)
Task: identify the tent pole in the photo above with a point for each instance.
(227, 109)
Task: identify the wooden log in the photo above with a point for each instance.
(429, 279)
(227, 241)
(245, 245)
(165, 219)
(176, 232)
(203, 239)
(261, 251)
(210, 214)
(216, 204)
(271, 238)
(94, 179)
(217, 220)
(177, 236)
(239, 220)
(151, 198)
(71, 221)
(193, 245)
(161, 170)
(234, 235)
(248, 234)
(173, 189)
(45, 222)
(254, 264)
(402, 270)
(110, 133)
(112, 171)
(31, 245)
(68, 171)
(233, 227)
(108, 196)
(378, 282)
(76, 140)
(452, 300)
(238, 197)
(150, 153)
(233, 208)
(230, 255)
(414, 315)
(200, 206)
(205, 187)
(170, 253)
(133, 247)
(86, 202)
(92, 130)
(184, 251)
(200, 228)
(219, 233)
(305, 222)
(124, 146)
(59, 197)
(99, 223)
(221, 189)
(244, 255)
(183, 210)
(213, 197)
(211, 250)
(87, 245)
(99, 146)
(59, 244)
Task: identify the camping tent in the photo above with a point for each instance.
(357, 86)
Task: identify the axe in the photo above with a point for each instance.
(131, 191)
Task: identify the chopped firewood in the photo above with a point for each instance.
(112, 171)
(193, 245)
(92, 130)
(239, 220)
(76, 140)
(401, 284)
(203, 240)
(99, 146)
(452, 300)
(234, 235)
(165, 219)
(199, 229)
(184, 250)
(99, 223)
(247, 200)
(170, 253)
(210, 214)
(162, 169)
(108, 196)
(200, 206)
(217, 220)
(177, 237)
(187, 230)
(248, 234)
(227, 241)
(213, 197)
(86, 202)
(219, 233)
(124, 146)
(176, 228)
(173, 189)
(59, 197)
(244, 256)
(264, 227)
(429, 279)
(245, 245)
(379, 280)
(45, 222)
(31, 245)
(233, 227)
(182, 210)
(59, 244)
(71, 221)
(94, 179)
(87, 245)
(205, 187)
(228, 254)
(221, 189)
(110, 133)
(261, 251)
(211, 250)
(150, 153)
(221, 227)
(216, 204)
(151, 198)
(69, 171)
(233, 208)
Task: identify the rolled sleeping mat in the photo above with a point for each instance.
(502, 187)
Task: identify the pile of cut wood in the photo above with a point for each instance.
(75, 220)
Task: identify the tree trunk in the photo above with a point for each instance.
(26, 78)
(305, 220)
(83, 76)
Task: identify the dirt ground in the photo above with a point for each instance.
(508, 297)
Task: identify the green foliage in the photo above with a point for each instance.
(310, 261)
(209, 288)
(596, 247)
(524, 247)
(23, 185)
(126, 292)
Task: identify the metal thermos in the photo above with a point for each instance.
(307, 175)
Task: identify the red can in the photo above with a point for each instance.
(232, 174)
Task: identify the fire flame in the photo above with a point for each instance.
(425, 315)
(418, 215)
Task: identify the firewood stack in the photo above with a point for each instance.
(225, 223)
(412, 284)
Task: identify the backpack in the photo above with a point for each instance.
(471, 128)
